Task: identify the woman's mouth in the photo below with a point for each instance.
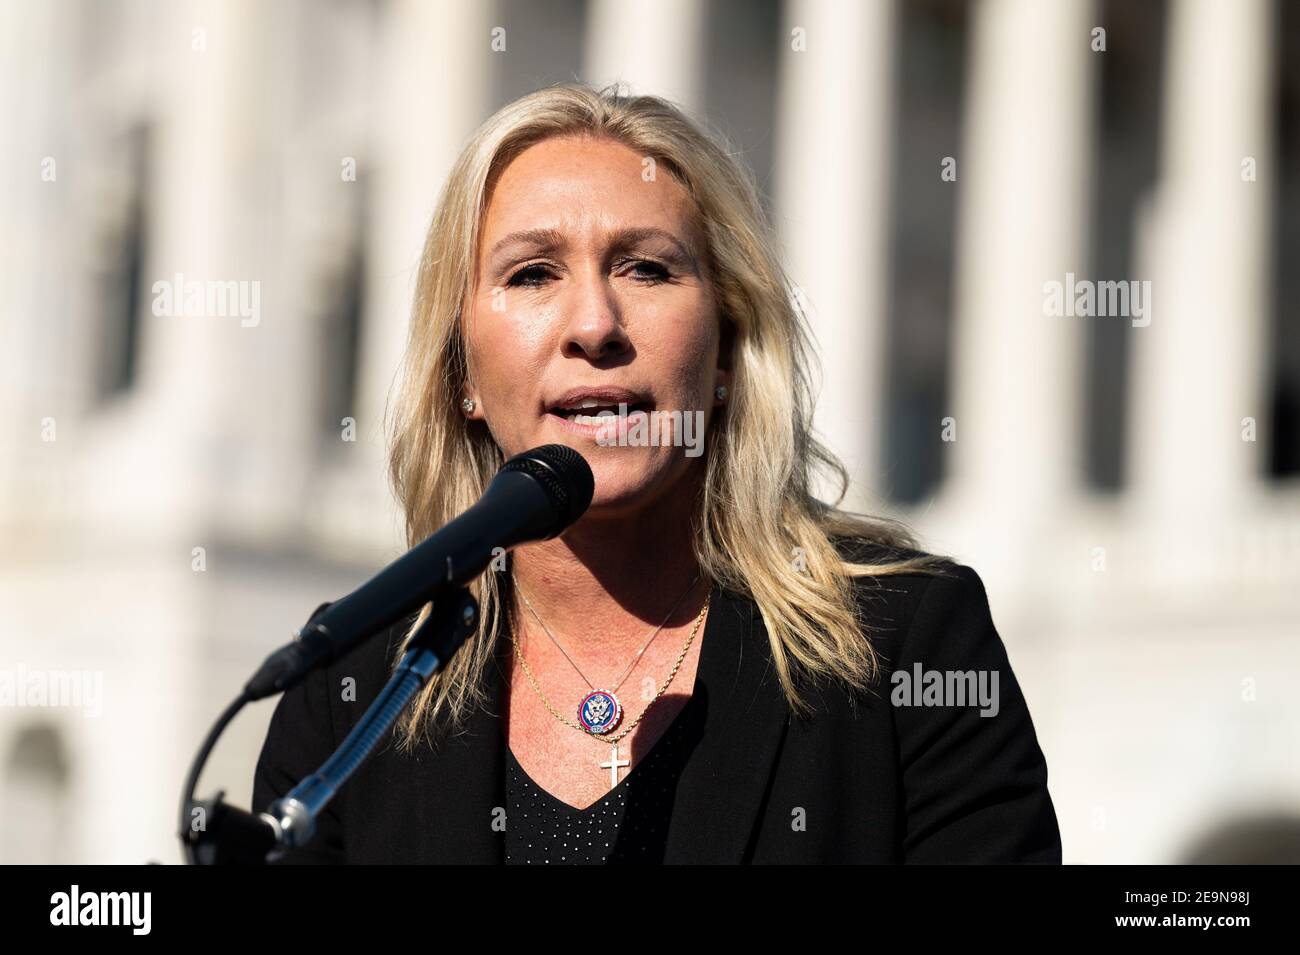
(594, 416)
(591, 412)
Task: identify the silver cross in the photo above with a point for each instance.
(613, 764)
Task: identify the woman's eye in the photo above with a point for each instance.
(530, 276)
(644, 270)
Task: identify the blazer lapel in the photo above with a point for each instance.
(721, 789)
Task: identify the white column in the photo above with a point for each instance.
(655, 49)
(832, 209)
(39, 360)
(1198, 367)
(1022, 178)
(429, 105)
(437, 72)
(179, 443)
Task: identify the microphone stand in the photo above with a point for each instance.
(225, 834)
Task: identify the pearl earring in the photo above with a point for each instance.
(467, 406)
(720, 392)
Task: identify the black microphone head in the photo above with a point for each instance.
(565, 476)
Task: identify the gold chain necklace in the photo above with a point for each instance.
(613, 691)
(614, 764)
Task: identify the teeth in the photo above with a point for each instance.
(607, 409)
(601, 418)
(589, 403)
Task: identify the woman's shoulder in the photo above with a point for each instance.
(917, 597)
(888, 569)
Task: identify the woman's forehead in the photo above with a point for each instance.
(584, 186)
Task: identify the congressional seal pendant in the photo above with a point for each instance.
(599, 712)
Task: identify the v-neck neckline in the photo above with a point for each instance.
(711, 626)
(674, 726)
(742, 720)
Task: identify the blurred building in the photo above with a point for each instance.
(182, 483)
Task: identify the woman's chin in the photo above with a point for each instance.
(623, 488)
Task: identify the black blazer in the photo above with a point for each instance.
(862, 780)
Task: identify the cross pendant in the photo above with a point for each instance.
(613, 764)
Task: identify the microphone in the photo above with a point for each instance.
(535, 496)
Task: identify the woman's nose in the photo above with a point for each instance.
(594, 328)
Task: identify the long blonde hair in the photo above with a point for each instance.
(759, 530)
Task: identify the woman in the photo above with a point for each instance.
(699, 669)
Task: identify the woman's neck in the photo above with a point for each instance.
(607, 580)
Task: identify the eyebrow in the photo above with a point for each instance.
(543, 238)
(548, 239)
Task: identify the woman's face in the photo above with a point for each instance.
(592, 289)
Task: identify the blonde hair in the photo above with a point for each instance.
(759, 530)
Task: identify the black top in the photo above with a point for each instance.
(867, 777)
(628, 824)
